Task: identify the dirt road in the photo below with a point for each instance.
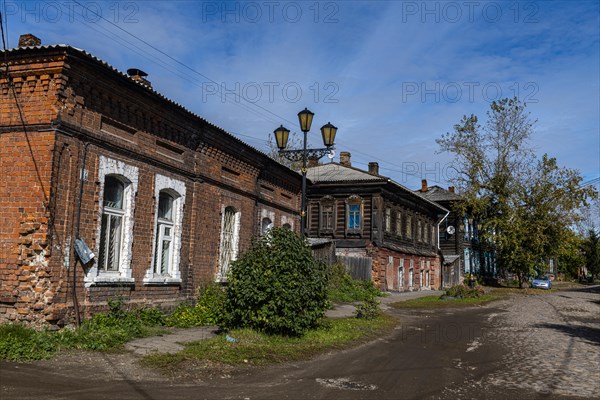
(527, 347)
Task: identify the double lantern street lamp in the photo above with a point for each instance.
(328, 132)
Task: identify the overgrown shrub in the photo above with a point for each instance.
(368, 309)
(19, 343)
(463, 291)
(209, 309)
(277, 286)
(343, 288)
(102, 331)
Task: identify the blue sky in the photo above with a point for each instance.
(393, 76)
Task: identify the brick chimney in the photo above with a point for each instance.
(374, 168)
(312, 162)
(139, 76)
(423, 185)
(29, 40)
(451, 189)
(345, 159)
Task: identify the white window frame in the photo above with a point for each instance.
(224, 269)
(177, 190)
(264, 215)
(411, 273)
(110, 213)
(401, 274)
(266, 224)
(128, 174)
(285, 220)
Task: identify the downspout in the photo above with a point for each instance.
(78, 223)
(438, 229)
(439, 249)
(79, 202)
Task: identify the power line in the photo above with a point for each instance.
(191, 79)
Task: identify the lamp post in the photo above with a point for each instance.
(328, 132)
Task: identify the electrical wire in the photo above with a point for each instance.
(247, 106)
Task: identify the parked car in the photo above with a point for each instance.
(542, 282)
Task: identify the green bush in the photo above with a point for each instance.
(343, 288)
(368, 309)
(277, 287)
(209, 309)
(464, 292)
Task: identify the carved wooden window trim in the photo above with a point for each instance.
(354, 214)
(327, 215)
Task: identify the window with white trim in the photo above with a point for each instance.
(111, 230)
(118, 183)
(163, 262)
(265, 226)
(411, 275)
(169, 197)
(230, 226)
(401, 274)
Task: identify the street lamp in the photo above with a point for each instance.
(282, 134)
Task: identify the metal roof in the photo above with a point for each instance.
(436, 193)
(450, 259)
(337, 173)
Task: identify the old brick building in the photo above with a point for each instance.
(378, 222)
(164, 199)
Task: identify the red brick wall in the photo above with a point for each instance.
(27, 280)
(102, 113)
(385, 275)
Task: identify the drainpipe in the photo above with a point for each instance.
(438, 247)
(78, 223)
(79, 202)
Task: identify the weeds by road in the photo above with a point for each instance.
(248, 347)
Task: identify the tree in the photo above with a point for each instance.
(570, 260)
(525, 205)
(277, 286)
(591, 252)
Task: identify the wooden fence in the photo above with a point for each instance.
(358, 267)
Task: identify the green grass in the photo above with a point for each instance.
(103, 332)
(435, 302)
(255, 348)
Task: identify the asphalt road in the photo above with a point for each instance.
(441, 354)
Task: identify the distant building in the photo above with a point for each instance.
(164, 199)
(463, 251)
(376, 224)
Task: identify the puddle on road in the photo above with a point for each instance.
(345, 384)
